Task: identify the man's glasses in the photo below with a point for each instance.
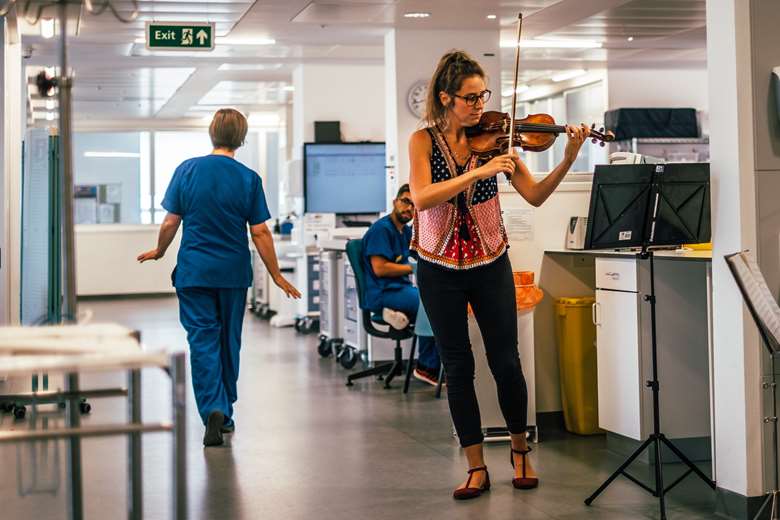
(471, 99)
(406, 201)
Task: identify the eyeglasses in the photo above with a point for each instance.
(407, 201)
(471, 99)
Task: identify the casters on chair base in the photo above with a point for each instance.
(348, 357)
(324, 348)
(306, 325)
(19, 412)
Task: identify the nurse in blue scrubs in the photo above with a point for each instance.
(216, 197)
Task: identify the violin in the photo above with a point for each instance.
(535, 133)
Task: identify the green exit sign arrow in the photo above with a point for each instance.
(180, 36)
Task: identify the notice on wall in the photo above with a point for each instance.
(519, 223)
(113, 193)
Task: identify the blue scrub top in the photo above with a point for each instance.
(383, 239)
(217, 197)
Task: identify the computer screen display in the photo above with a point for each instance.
(345, 178)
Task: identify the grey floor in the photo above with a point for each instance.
(308, 447)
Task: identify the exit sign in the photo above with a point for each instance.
(180, 36)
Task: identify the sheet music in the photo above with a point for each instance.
(759, 294)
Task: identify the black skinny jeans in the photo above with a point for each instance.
(490, 290)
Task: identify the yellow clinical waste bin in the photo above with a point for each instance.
(576, 336)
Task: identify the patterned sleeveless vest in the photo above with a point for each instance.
(466, 231)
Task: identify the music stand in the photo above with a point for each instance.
(650, 205)
(766, 314)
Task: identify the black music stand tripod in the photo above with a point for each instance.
(656, 439)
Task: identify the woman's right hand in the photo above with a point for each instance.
(498, 164)
(288, 288)
(154, 254)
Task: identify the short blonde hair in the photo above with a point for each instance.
(228, 129)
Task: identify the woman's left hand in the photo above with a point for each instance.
(577, 136)
(288, 288)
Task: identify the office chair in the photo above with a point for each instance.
(386, 370)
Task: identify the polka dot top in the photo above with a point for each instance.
(466, 231)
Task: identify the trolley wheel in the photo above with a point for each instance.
(298, 324)
(85, 407)
(349, 358)
(311, 325)
(20, 412)
(337, 346)
(324, 348)
(6, 407)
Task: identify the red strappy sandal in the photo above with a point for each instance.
(470, 492)
(523, 482)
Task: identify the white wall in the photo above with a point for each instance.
(411, 56)
(11, 135)
(549, 232)
(106, 260)
(736, 351)
(352, 94)
(657, 88)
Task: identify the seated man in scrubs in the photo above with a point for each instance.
(216, 197)
(389, 289)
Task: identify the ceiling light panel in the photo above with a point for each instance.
(250, 66)
(346, 13)
(125, 93)
(244, 93)
(642, 19)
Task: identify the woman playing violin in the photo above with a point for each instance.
(462, 247)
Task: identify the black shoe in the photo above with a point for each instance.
(426, 375)
(213, 435)
(230, 427)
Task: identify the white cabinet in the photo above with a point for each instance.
(616, 314)
(624, 349)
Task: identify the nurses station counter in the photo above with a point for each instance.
(683, 288)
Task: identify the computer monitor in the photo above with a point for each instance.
(645, 205)
(344, 178)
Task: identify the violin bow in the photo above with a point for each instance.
(513, 116)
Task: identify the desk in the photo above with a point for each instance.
(684, 323)
(73, 349)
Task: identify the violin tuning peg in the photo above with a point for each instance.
(593, 126)
(594, 140)
(602, 143)
(601, 130)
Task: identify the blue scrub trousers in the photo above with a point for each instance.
(213, 318)
(407, 300)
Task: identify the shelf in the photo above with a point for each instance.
(667, 140)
